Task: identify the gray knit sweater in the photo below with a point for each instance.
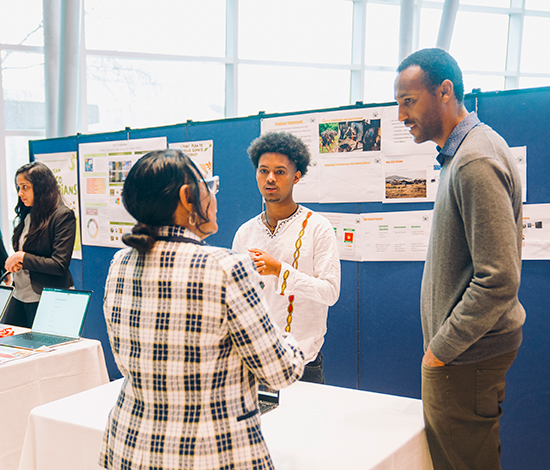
(469, 307)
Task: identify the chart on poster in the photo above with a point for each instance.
(103, 170)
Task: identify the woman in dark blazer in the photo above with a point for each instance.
(43, 240)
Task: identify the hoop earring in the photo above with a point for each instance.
(192, 218)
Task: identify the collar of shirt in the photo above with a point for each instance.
(457, 136)
(176, 231)
(261, 219)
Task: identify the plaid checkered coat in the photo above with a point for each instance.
(189, 330)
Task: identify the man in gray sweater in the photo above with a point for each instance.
(471, 316)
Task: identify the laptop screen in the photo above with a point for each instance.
(61, 312)
(5, 295)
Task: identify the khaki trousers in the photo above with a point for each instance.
(462, 412)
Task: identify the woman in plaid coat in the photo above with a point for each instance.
(190, 332)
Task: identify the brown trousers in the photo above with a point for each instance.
(462, 412)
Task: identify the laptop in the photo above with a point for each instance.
(5, 296)
(268, 399)
(59, 319)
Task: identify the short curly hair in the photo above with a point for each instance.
(283, 143)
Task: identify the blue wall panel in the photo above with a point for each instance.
(374, 339)
(521, 118)
(389, 323)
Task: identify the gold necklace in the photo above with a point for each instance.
(273, 227)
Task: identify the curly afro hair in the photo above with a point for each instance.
(283, 143)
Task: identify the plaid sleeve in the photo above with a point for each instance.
(260, 344)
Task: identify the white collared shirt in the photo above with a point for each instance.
(315, 283)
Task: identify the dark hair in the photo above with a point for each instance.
(47, 198)
(284, 143)
(151, 194)
(437, 65)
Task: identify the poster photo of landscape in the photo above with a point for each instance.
(350, 136)
(406, 184)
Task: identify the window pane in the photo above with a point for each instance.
(485, 82)
(534, 82)
(150, 93)
(382, 35)
(281, 89)
(17, 154)
(430, 18)
(313, 31)
(21, 22)
(23, 81)
(480, 41)
(487, 3)
(379, 87)
(543, 5)
(536, 45)
(165, 26)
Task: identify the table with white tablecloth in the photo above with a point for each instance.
(41, 378)
(315, 427)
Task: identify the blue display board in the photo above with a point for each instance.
(374, 339)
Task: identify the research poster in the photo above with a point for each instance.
(395, 236)
(64, 168)
(536, 231)
(404, 235)
(355, 155)
(367, 155)
(347, 228)
(397, 138)
(201, 152)
(103, 170)
(303, 126)
(382, 236)
(520, 156)
(411, 178)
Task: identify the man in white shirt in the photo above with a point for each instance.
(292, 247)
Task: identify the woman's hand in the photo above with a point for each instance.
(7, 280)
(265, 263)
(15, 262)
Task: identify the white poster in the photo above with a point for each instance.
(201, 152)
(350, 155)
(63, 166)
(367, 155)
(351, 179)
(304, 127)
(520, 156)
(397, 138)
(347, 228)
(412, 178)
(395, 236)
(536, 231)
(103, 170)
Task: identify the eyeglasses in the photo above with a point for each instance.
(213, 184)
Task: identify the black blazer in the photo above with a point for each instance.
(48, 257)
